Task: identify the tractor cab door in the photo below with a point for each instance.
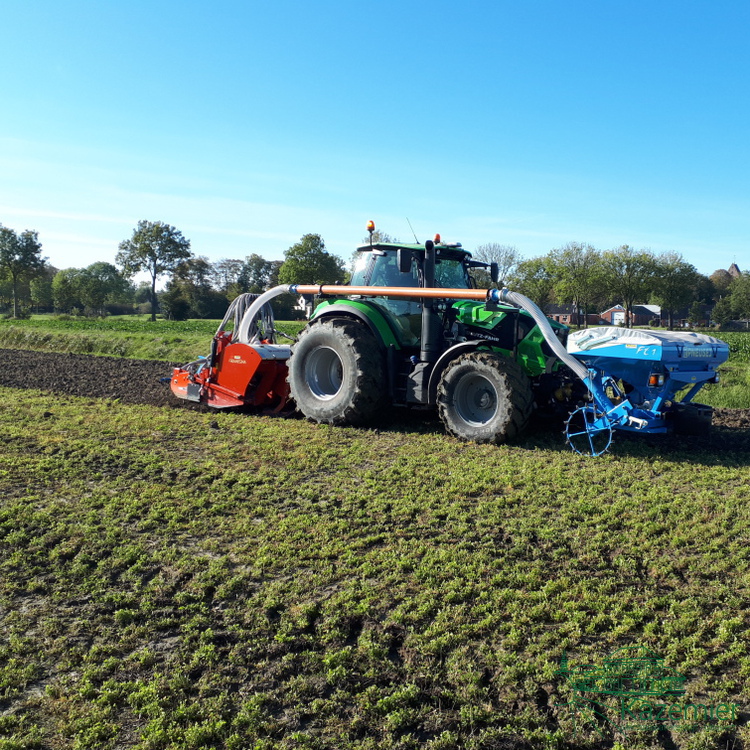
(380, 268)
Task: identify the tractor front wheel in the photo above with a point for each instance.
(337, 373)
(484, 397)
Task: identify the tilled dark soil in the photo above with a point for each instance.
(132, 381)
(136, 381)
(738, 419)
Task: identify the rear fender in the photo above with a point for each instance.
(447, 356)
(364, 313)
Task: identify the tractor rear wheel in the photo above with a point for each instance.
(337, 373)
(484, 397)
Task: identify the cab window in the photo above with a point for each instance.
(451, 274)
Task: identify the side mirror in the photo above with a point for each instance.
(404, 260)
(494, 272)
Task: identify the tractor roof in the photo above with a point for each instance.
(454, 252)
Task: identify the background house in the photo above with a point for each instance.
(569, 315)
(641, 315)
(615, 316)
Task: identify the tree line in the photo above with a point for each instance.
(195, 287)
(593, 280)
(576, 274)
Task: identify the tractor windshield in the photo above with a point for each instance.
(380, 268)
(451, 274)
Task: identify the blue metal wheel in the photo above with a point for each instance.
(588, 432)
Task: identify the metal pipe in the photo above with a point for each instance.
(334, 290)
(484, 295)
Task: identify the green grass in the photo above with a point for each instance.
(733, 391)
(173, 579)
(119, 336)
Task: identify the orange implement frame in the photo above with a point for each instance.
(243, 375)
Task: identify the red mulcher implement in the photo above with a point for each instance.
(250, 372)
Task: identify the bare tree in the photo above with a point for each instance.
(507, 258)
(226, 272)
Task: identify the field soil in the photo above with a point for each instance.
(137, 381)
(131, 381)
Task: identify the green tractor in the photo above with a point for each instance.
(485, 367)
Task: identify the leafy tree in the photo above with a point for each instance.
(308, 262)
(273, 279)
(156, 248)
(629, 274)
(91, 288)
(208, 303)
(174, 305)
(721, 279)
(674, 284)
(101, 283)
(695, 314)
(142, 293)
(40, 288)
(195, 271)
(579, 275)
(534, 278)
(255, 276)
(705, 291)
(191, 284)
(66, 289)
(20, 258)
(739, 296)
(722, 312)
(6, 292)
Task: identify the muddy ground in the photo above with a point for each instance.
(136, 381)
(132, 381)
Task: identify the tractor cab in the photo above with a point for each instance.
(382, 264)
(395, 264)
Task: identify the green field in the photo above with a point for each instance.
(130, 336)
(178, 579)
(733, 391)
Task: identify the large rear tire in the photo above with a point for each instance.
(485, 398)
(337, 373)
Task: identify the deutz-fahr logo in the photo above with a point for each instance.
(633, 690)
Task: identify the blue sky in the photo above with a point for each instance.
(248, 124)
